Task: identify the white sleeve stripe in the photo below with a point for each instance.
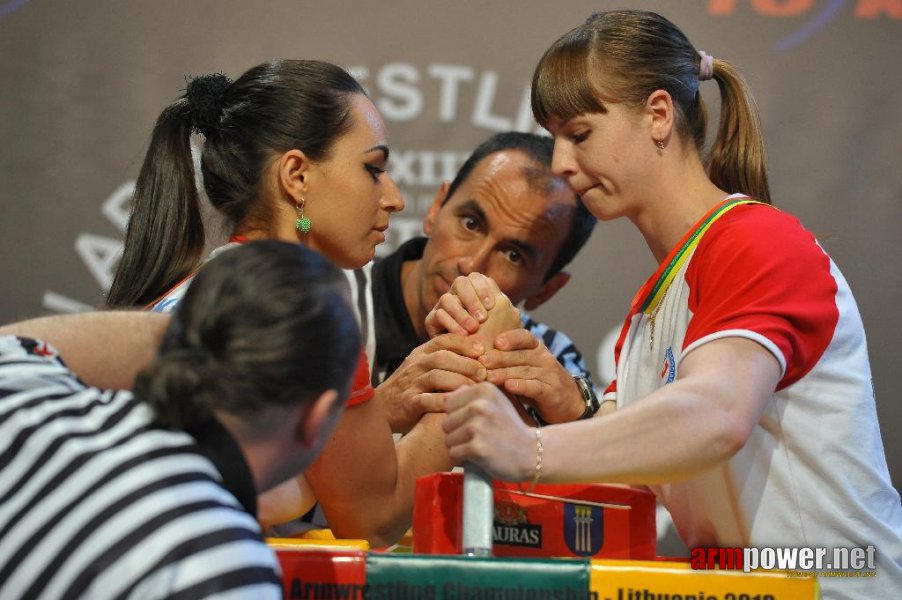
(743, 333)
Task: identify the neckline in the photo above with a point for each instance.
(650, 295)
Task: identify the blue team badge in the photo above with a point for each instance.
(668, 371)
(583, 528)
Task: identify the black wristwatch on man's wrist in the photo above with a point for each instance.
(588, 391)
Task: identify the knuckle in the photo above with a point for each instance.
(480, 408)
(483, 388)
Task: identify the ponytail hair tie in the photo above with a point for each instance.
(705, 66)
(205, 97)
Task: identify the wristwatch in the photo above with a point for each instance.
(588, 391)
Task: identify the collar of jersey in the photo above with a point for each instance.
(651, 294)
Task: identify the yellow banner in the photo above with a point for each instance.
(639, 580)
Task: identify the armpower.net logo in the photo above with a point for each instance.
(826, 562)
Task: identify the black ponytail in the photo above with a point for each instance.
(172, 386)
(264, 325)
(165, 236)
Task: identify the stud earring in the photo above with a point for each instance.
(659, 144)
(303, 223)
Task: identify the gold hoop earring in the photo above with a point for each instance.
(303, 223)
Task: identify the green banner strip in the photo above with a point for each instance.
(402, 577)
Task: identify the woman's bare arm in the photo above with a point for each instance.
(676, 432)
(365, 483)
(105, 349)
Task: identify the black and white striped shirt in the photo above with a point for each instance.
(98, 502)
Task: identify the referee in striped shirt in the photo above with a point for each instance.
(152, 493)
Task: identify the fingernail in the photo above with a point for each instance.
(480, 316)
(481, 374)
(478, 348)
(488, 301)
(471, 325)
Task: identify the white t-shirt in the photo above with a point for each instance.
(813, 472)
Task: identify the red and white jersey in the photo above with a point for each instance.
(813, 472)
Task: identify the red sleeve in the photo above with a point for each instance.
(361, 389)
(757, 269)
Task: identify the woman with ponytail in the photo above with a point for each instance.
(293, 150)
(110, 494)
(743, 391)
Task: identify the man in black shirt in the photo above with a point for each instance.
(505, 216)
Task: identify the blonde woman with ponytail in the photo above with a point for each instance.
(743, 394)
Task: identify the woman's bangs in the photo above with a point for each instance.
(561, 86)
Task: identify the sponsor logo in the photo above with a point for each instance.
(583, 528)
(511, 527)
(668, 370)
(42, 349)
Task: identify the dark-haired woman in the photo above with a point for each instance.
(293, 150)
(743, 388)
(114, 494)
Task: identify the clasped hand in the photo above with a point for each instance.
(513, 358)
(452, 357)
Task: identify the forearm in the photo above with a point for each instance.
(365, 484)
(672, 434)
(105, 349)
(421, 452)
(607, 407)
(699, 421)
(677, 431)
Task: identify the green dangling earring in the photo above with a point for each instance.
(303, 223)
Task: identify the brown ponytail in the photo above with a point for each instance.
(737, 160)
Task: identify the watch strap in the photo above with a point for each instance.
(588, 392)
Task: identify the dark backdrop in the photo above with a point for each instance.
(82, 83)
